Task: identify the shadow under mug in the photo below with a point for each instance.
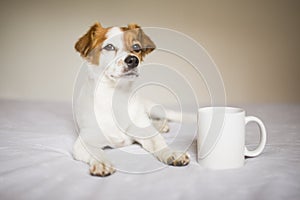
(221, 137)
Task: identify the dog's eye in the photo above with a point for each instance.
(109, 47)
(136, 48)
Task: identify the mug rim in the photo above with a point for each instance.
(227, 109)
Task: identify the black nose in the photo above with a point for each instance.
(132, 61)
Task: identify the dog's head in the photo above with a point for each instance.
(118, 49)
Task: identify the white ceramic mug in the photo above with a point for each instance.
(221, 137)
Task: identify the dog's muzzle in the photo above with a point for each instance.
(132, 61)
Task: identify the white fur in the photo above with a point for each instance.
(95, 117)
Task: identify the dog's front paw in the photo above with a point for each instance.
(102, 169)
(170, 157)
(178, 159)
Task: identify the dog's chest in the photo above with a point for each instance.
(112, 114)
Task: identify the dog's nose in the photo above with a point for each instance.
(131, 61)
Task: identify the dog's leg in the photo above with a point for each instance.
(158, 147)
(94, 156)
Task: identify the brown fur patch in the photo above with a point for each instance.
(134, 34)
(89, 45)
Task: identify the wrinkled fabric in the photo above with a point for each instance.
(36, 161)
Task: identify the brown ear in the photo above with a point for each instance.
(90, 40)
(133, 26)
(147, 44)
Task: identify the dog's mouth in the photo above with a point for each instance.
(130, 73)
(127, 74)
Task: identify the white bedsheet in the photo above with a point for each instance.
(36, 162)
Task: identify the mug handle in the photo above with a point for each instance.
(263, 137)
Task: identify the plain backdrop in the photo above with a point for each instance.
(255, 44)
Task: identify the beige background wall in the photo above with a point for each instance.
(255, 44)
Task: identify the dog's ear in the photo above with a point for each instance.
(147, 44)
(133, 26)
(89, 41)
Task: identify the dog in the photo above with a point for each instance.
(115, 54)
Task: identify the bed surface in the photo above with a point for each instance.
(36, 161)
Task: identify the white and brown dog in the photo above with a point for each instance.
(113, 54)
